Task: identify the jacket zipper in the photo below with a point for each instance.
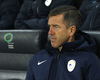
(58, 57)
(37, 10)
(38, 7)
(54, 67)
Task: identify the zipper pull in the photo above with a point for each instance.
(58, 57)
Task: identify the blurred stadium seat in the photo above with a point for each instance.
(96, 36)
(16, 49)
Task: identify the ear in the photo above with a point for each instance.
(72, 30)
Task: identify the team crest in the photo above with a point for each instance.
(71, 65)
(48, 2)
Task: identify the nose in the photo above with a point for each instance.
(51, 31)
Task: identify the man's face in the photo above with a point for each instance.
(58, 32)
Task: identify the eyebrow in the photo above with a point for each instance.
(53, 25)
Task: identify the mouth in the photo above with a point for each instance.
(52, 39)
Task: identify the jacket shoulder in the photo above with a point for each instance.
(41, 54)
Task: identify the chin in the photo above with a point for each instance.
(54, 46)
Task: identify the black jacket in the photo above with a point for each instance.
(8, 12)
(90, 10)
(76, 61)
(34, 14)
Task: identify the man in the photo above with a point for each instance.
(34, 13)
(8, 12)
(70, 54)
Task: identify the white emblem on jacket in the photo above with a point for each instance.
(41, 62)
(71, 65)
(48, 2)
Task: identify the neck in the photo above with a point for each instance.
(60, 48)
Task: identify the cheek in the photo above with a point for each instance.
(62, 38)
(59, 41)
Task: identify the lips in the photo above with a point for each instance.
(52, 38)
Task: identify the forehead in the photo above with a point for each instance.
(55, 19)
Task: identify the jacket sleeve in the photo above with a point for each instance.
(24, 22)
(9, 11)
(27, 17)
(30, 75)
(93, 69)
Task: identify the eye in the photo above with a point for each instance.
(56, 26)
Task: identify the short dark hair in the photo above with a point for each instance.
(72, 15)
